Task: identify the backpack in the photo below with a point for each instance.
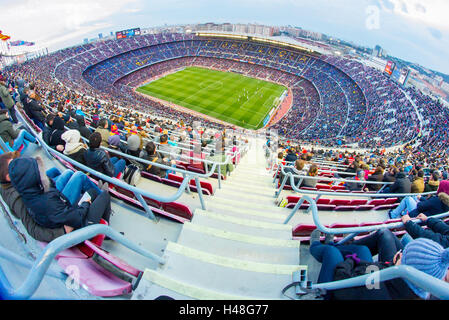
(132, 175)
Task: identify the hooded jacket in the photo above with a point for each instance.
(57, 129)
(84, 131)
(73, 147)
(46, 205)
(14, 201)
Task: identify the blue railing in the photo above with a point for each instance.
(40, 267)
(137, 191)
(436, 287)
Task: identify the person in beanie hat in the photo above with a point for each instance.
(429, 257)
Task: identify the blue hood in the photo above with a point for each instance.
(25, 177)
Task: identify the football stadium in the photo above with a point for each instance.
(211, 162)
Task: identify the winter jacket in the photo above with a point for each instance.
(418, 185)
(401, 185)
(14, 201)
(98, 160)
(291, 157)
(46, 205)
(431, 186)
(395, 289)
(6, 97)
(7, 132)
(437, 231)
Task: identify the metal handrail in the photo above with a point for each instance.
(290, 176)
(432, 285)
(45, 258)
(138, 192)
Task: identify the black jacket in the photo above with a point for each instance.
(56, 131)
(98, 160)
(374, 177)
(153, 169)
(402, 184)
(46, 205)
(33, 109)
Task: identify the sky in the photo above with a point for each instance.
(413, 30)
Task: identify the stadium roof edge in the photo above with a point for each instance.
(258, 38)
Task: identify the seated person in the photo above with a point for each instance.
(52, 200)
(402, 184)
(437, 230)
(11, 136)
(296, 170)
(53, 131)
(345, 261)
(429, 206)
(356, 186)
(313, 172)
(418, 182)
(16, 206)
(150, 154)
(377, 176)
(102, 128)
(99, 160)
(74, 148)
(434, 182)
(291, 156)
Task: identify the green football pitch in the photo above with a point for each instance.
(227, 96)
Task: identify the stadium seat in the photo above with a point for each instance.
(340, 202)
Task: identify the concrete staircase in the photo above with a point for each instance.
(238, 248)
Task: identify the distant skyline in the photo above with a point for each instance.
(412, 30)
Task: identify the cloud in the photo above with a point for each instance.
(435, 33)
(48, 22)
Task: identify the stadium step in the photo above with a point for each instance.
(247, 196)
(245, 185)
(242, 225)
(246, 213)
(218, 275)
(239, 245)
(242, 203)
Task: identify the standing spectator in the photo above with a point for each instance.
(7, 99)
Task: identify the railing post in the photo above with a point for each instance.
(150, 213)
(200, 193)
(219, 176)
(278, 192)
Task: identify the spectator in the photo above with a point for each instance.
(98, 159)
(150, 154)
(377, 176)
(104, 132)
(418, 183)
(7, 99)
(437, 230)
(431, 206)
(16, 206)
(53, 203)
(339, 262)
(434, 182)
(74, 148)
(11, 136)
(313, 172)
(84, 131)
(402, 184)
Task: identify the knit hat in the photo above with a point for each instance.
(427, 256)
